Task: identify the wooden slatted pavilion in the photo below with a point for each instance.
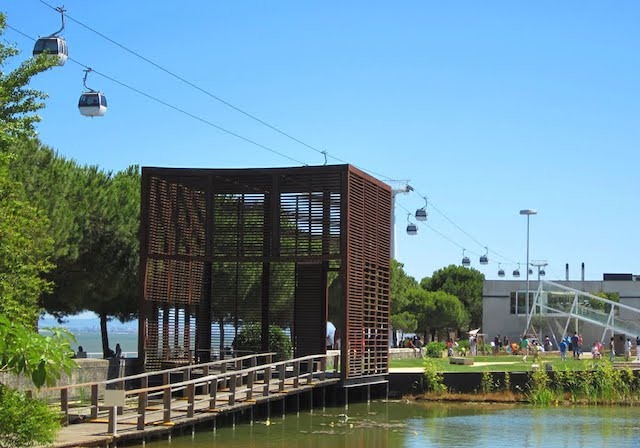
(223, 249)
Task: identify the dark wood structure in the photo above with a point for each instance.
(223, 249)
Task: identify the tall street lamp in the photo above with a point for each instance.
(527, 212)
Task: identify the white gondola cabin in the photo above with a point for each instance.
(54, 46)
(92, 104)
(466, 261)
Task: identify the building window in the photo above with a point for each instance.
(519, 306)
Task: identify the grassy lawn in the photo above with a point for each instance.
(515, 363)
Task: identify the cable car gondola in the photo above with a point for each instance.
(542, 273)
(53, 45)
(92, 103)
(421, 213)
(465, 260)
(500, 270)
(516, 273)
(412, 229)
(484, 259)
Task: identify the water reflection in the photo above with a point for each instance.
(401, 424)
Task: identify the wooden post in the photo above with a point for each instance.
(232, 390)
(238, 377)
(205, 386)
(250, 385)
(213, 389)
(296, 374)
(323, 368)
(191, 389)
(112, 426)
(120, 386)
(166, 398)
(223, 370)
(252, 374)
(142, 406)
(267, 381)
(64, 405)
(310, 371)
(282, 368)
(94, 401)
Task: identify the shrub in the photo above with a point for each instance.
(25, 421)
(435, 349)
(507, 381)
(486, 382)
(433, 380)
(250, 340)
(539, 390)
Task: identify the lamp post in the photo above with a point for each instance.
(405, 188)
(528, 213)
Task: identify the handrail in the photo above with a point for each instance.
(160, 372)
(209, 386)
(208, 378)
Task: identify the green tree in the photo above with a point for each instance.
(103, 276)
(53, 184)
(464, 283)
(24, 252)
(406, 322)
(18, 103)
(401, 283)
(436, 310)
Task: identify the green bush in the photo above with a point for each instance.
(250, 340)
(539, 391)
(435, 349)
(487, 382)
(433, 379)
(25, 421)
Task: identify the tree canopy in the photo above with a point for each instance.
(25, 251)
(465, 284)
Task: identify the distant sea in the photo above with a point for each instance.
(87, 334)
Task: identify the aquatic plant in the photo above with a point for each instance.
(540, 392)
(507, 382)
(433, 379)
(486, 382)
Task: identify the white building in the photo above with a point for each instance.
(504, 308)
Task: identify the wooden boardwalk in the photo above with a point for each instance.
(202, 393)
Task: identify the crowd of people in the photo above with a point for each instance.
(526, 347)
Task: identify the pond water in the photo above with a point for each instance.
(406, 424)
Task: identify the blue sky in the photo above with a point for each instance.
(486, 107)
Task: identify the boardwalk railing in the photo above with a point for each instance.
(230, 386)
(77, 393)
(215, 393)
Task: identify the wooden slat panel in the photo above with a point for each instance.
(310, 315)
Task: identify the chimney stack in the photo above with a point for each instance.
(566, 270)
(583, 271)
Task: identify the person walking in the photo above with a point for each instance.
(612, 353)
(575, 346)
(637, 348)
(627, 350)
(563, 349)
